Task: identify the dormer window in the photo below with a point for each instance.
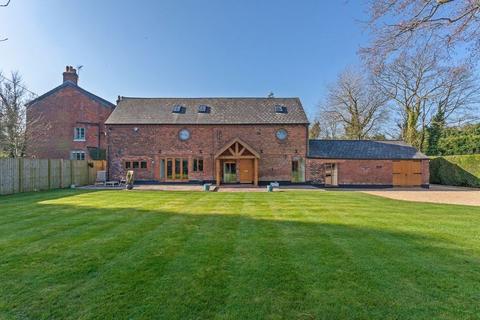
(280, 109)
(203, 109)
(178, 109)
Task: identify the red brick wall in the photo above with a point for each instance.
(51, 122)
(154, 142)
(425, 172)
(358, 172)
(352, 172)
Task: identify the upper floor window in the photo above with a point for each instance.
(203, 109)
(281, 134)
(79, 134)
(77, 155)
(280, 109)
(178, 109)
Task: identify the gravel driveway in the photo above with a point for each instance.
(436, 194)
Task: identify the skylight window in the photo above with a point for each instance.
(178, 109)
(280, 109)
(203, 109)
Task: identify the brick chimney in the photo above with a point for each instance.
(70, 74)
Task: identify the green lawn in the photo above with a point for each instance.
(186, 255)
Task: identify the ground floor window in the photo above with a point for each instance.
(141, 164)
(77, 155)
(197, 165)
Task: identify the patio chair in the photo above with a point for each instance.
(101, 177)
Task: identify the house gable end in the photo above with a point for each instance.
(69, 84)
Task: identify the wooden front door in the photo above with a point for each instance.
(246, 170)
(330, 174)
(407, 173)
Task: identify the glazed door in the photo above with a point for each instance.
(176, 169)
(246, 171)
(229, 172)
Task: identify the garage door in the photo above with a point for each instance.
(407, 173)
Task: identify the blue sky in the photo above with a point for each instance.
(183, 48)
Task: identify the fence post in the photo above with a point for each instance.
(49, 175)
(71, 172)
(20, 174)
(61, 173)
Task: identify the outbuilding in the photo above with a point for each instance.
(360, 163)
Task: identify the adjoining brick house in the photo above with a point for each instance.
(220, 140)
(67, 122)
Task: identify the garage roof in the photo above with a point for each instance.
(363, 149)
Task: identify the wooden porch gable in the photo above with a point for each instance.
(237, 149)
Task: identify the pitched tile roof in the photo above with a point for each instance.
(221, 111)
(76, 87)
(362, 149)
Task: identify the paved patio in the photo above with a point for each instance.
(436, 194)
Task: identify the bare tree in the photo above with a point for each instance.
(396, 25)
(356, 105)
(458, 100)
(4, 5)
(419, 88)
(411, 83)
(330, 126)
(314, 130)
(13, 97)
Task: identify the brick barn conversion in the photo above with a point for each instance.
(220, 140)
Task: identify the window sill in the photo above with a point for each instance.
(78, 140)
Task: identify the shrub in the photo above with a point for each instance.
(462, 170)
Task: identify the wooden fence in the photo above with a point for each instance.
(24, 175)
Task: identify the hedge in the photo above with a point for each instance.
(461, 170)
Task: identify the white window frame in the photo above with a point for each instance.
(79, 137)
(78, 155)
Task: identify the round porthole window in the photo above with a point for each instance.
(184, 134)
(281, 134)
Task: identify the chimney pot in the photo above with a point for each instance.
(70, 74)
